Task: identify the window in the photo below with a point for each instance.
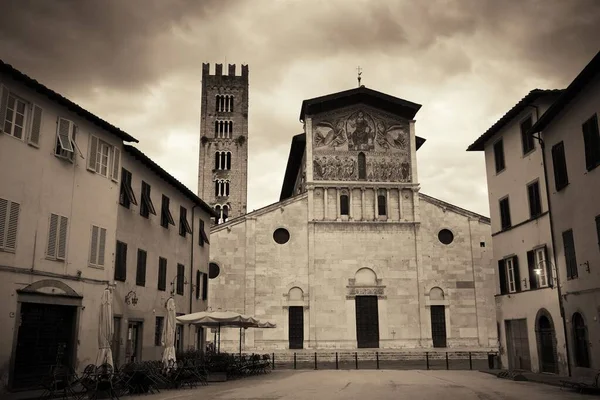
(535, 205)
(66, 132)
(180, 278)
(224, 213)
(9, 221)
(527, 140)
(540, 274)
(598, 229)
(223, 160)
(580, 337)
(219, 213)
(126, 196)
(184, 226)
(165, 214)
(103, 158)
(281, 236)
(381, 204)
(121, 262)
(224, 103)
(204, 286)
(223, 129)
(158, 329)
(445, 236)
(508, 274)
(146, 207)
(15, 114)
(222, 188)
(591, 140)
(202, 237)
(344, 204)
(140, 275)
(162, 274)
(505, 214)
(570, 258)
(499, 156)
(97, 246)
(198, 279)
(213, 270)
(228, 161)
(57, 238)
(559, 163)
(362, 166)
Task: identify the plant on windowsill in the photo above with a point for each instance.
(240, 140)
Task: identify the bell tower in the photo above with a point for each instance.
(223, 166)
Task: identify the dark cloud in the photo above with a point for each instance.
(137, 63)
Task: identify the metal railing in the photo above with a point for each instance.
(450, 360)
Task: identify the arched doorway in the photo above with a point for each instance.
(438, 318)
(582, 355)
(367, 310)
(546, 339)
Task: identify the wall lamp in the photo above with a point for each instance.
(131, 298)
(174, 281)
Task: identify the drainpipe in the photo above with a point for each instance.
(192, 265)
(559, 291)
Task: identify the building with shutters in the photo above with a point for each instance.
(353, 255)
(223, 165)
(541, 161)
(66, 235)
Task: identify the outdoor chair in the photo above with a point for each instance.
(587, 380)
(103, 382)
(61, 382)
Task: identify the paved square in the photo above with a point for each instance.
(383, 384)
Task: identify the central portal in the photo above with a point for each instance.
(367, 322)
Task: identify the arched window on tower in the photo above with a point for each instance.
(217, 188)
(362, 166)
(223, 159)
(217, 102)
(344, 204)
(222, 103)
(228, 164)
(231, 104)
(225, 213)
(218, 211)
(381, 203)
(230, 129)
(217, 160)
(216, 128)
(226, 188)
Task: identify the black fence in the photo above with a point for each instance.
(387, 360)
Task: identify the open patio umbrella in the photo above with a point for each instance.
(218, 319)
(105, 329)
(168, 336)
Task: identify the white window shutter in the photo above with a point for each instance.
(3, 225)
(51, 250)
(101, 246)
(64, 129)
(92, 153)
(3, 105)
(36, 126)
(116, 167)
(13, 222)
(94, 246)
(62, 239)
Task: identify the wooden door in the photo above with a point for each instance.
(116, 342)
(517, 343)
(367, 322)
(296, 327)
(438, 326)
(133, 351)
(546, 345)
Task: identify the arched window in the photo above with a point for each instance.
(217, 159)
(217, 188)
(365, 277)
(582, 355)
(216, 128)
(225, 213)
(223, 160)
(222, 103)
(217, 102)
(344, 204)
(436, 293)
(230, 131)
(362, 166)
(381, 204)
(226, 189)
(218, 210)
(228, 164)
(231, 104)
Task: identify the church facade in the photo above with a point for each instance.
(353, 255)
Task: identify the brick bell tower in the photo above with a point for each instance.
(223, 166)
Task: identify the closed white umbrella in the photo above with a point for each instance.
(168, 337)
(105, 329)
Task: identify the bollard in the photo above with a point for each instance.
(447, 365)
(356, 359)
(315, 360)
(273, 360)
(336, 360)
(470, 361)
(377, 358)
(294, 360)
(427, 359)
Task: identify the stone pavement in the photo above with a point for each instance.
(372, 384)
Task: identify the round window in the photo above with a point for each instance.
(281, 236)
(213, 270)
(445, 236)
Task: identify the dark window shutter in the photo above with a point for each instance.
(162, 273)
(549, 277)
(121, 262)
(531, 265)
(204, 286)
(381, 205)
(140, 278)
(570, 257)
(499, 155)
(505, 214)
(517, 273)
(598, 229)
(502, 277)
(198, 277)
(559, 163)
(228, 161)
(533, 192)
(591, 140)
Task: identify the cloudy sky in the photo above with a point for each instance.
(137, 64)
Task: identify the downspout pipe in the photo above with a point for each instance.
(558, 286)
(192, 264)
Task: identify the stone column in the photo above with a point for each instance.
(387, 205)
(350, 194)
(375, 216)
(362, 203)
(399, 204)
(337, 204)
(325, 196)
